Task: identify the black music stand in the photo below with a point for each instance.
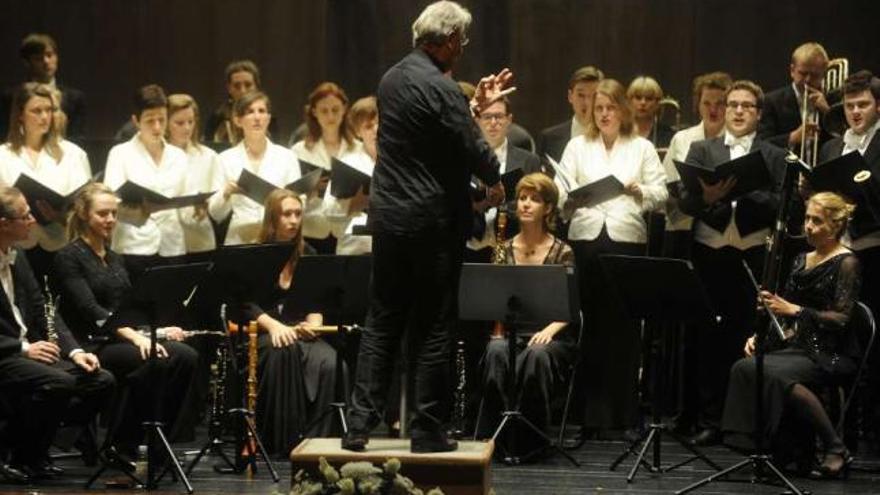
(664, 290)
(518, 295)
(337, 286)
(242, 273)
(159, 296)
(760, 461)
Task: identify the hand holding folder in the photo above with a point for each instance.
(133, 193)
(257, 188)
(46, 204)
(750, 173)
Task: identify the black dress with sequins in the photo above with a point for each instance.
(820, 350)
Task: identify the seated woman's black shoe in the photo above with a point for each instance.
(833, 470)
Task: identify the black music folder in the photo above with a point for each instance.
(838, 175)
(597, 192)
(258, 189)
(35, 191)
(750, 171)
(307, 183)
(306, 167)
(134, 193)
(345, 180)
(508, 179)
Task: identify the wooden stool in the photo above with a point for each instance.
(463, 472)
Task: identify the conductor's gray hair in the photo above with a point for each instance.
(438, 21)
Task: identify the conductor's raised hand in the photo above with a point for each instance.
(492, 88)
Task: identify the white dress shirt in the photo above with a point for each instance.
(162, 232)
(576, 128)
(7, 259)
(315, 223)
(491, 214)
(856, 142)
(336, 211)
(678, 150)
(631, 159)
(708, 236)
(278, 166)
(63, 177)
(203, 174)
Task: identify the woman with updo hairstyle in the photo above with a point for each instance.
(35, 147)
(814, 310)
(92, 282)
(328, 137)
(203, 172)
(296, 368)
(546, 352)
(256, 153)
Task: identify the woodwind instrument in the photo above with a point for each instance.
(49, 310)
(499, 257)
(219, 370)
(249, 449)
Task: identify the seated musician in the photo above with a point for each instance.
(296, 369)
(38, 376)
(814, 307)
(545, 354)
(92, 280)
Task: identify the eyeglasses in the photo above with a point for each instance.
(489, 117)
(24, 216)
(745, 105)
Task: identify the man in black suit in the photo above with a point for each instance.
(726, 232)
(43, 382)
(781, 117)
(581, 90)
(39, 53)
(861, 105)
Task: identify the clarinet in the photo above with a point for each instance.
(460, 388)
(219, 370)
(49, 311)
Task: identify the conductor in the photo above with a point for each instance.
(420, 209)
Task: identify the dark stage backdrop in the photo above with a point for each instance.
(110, 47)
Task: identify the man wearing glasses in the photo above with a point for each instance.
(726, 232)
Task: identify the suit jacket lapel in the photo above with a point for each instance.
(872, 153)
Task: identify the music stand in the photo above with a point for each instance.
(242, 273)
(161, 292)
(337, 287)
(518, 295)
(664, 290)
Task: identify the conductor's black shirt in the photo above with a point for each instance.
(429, 146)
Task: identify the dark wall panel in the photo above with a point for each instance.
(110, 47)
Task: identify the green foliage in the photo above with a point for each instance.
(357, 478)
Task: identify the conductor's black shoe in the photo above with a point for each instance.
(432, 443)
(355, 441)
(11, 474)
(705, 437)
(41, 470)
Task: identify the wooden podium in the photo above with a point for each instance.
(467, 471)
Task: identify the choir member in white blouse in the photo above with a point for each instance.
(144, 235)
(328, 137)
(276, 164)
(35, 147)
(610, 146)
(346, 214)
(203, 172)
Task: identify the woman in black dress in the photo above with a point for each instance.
(814, 309)
(295, 369)
(545, 353)
(92, 280)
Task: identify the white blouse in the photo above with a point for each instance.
(162, 232)
(315, 224)
(203, 174)
(278, 166)
(631, 159)
(337, 216)
(62, 177)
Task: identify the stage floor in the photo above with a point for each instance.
(552, 476)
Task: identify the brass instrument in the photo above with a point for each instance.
(835, 76)
(834, 121)
(49, 306)
(499, 256)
